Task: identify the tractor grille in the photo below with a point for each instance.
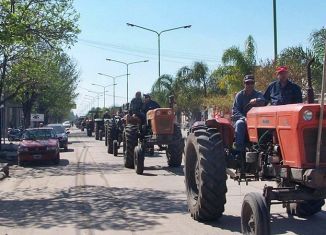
(310, 144)
(164, 124)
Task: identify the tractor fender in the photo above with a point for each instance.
(225, 128)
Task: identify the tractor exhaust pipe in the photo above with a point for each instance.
(310, 90)
(321, 115)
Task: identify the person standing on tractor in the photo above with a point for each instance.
(136, 106)
(283, 91)
(149, 104)
(244, 101)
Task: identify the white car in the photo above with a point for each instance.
(66, 124)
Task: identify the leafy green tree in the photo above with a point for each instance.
(33, 25)
(162, 89)
(318, 39)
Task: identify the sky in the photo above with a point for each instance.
(216, 26)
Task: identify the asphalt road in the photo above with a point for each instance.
(90, 192)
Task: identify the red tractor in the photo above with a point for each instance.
(285, 144)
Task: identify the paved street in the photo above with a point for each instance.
(90, 192)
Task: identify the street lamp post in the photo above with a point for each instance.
(159, 40)
(114, 77)
(104, 87)
(98, 94)
(127, 65)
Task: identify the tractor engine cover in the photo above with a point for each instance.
(161, 121)
(296, 126)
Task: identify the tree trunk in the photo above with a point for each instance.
(27, 109)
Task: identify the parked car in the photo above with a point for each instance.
(39, 144)
(62, 135)
(66, 124)
(14, 134)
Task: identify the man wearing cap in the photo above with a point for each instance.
(149, 104)
(244, 101)
(283, 91)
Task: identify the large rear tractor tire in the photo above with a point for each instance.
(115, 148)
(139, 157)
(174, 151)
(131, 140)
(100, 135)
(97, 134)
(205, 174)
(255, 215)
(306, 208)
(89, 132)
(111, 136)
(106, 136)
(302, 209)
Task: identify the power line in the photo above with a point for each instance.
(167, 53)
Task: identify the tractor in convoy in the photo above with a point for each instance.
(159, 129)
(98, 128)
(285, 144)
(114, 134)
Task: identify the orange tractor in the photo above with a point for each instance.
(160, 129)
(286, 144)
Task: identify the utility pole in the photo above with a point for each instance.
(275, 30)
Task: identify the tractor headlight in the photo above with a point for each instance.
(158, 112)
(307, 115)
(169, 112)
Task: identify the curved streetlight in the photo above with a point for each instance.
(114, 77)
(98, 94)
(127, 65)
(159, 39)
(104, 87)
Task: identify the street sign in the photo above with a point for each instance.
(37, 117)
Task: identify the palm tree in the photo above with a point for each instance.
(238, 63)
(162, 88)
(245, 60)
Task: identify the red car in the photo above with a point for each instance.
(39, 144)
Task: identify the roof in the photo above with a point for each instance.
(40, 128)
(55, 124)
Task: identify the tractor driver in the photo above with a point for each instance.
(283, 91)
(149, 104)
(244, 101)
(136, 106)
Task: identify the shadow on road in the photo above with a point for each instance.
(305, 226)
(227, 222)
(280, 224)
(91, 207)
(66, 168)
(174, 170)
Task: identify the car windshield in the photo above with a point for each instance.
(39, 134)
(58, 129)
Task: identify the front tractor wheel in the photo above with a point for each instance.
(255, 215)
(131, 140)
(205, 174)
(174, 151)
